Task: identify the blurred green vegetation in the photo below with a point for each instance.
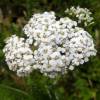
(81, 84)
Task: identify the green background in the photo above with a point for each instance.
(81, 84)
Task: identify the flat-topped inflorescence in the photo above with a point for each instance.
(19, 56)
(82, 15)
(60, 46)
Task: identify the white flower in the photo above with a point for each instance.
(71, 67)
(18, 55)
(82, 15)
(60, 45)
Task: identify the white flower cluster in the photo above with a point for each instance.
(38, 25)
(61, 44)
(82, 14)
(19, 56)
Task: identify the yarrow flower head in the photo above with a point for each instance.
(38, 25)
(60, 45)
(19, 56)
(82, 15)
